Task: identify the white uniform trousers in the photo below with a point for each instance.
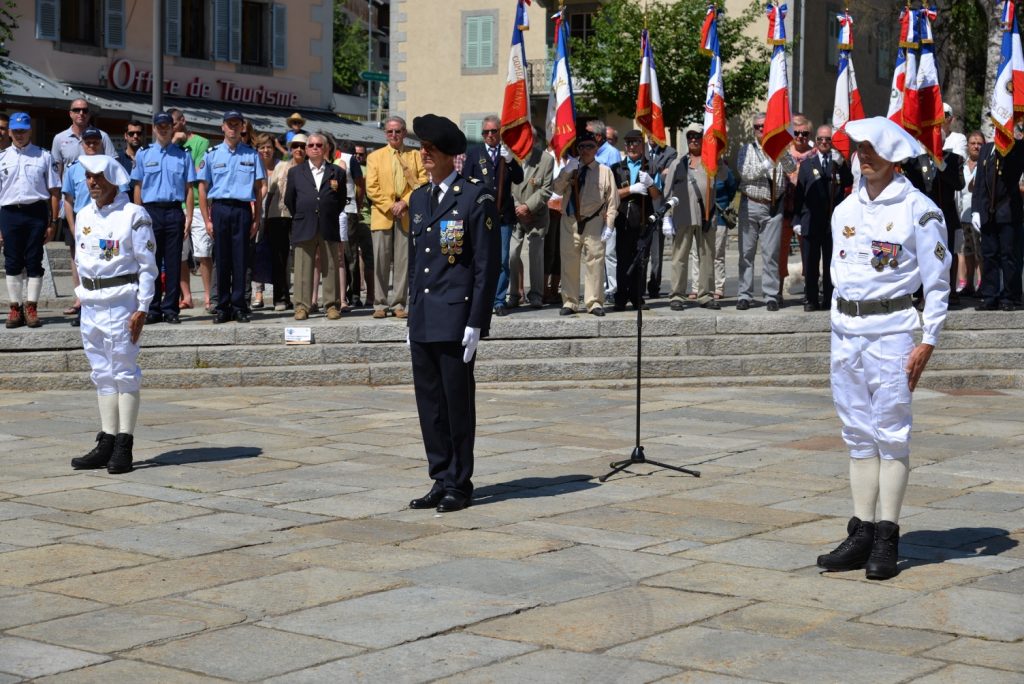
(871, 393)
(108, 344)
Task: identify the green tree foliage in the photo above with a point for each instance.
(8, 23)
(606, 66)
(349, 50)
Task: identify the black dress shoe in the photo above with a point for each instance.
(597, 311)
(810, 307)
(618, 307)
(1007, 306)
(772, 305)
(566, 311)
(500, 311)
(241, 317)
(173, 319)
(221, 317)
(676, 305)
(152, 318)
(743, 305)
(711, 304)
(431, 500)
(76, 322)
(986, 306)
(453, 501)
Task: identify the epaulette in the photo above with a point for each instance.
(928, 216)
(474, 181)
(484, 197)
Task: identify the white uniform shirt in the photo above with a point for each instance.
(112, 241)
(26, 175)
(903, 216)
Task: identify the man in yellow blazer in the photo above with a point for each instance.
(392, 173)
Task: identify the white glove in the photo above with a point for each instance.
(607, 233)
(645, 178)
(470, 339)
(343, 226)
(571, 164)
(797, 229)
(976, 221)
(408, 342)
(638, 189)
(667, 228)
(506, 154)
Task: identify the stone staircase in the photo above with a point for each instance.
(698, 347)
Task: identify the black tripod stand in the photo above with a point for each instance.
(636, 272)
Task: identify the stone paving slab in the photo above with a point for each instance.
(273, 542)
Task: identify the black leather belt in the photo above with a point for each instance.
(874, 307)
(114, 281)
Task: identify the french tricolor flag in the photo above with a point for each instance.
(715, 133)
(776, 136)
(899, 74)
(516, 130)
(561, 121)
(910, 104)
(848, 106)
(649, 114)
(1004, 92)
(930, 115)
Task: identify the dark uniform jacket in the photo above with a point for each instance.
(940, 186)
(453, 262)
(633, 208)
(996, 185)
(478, 165)
(819, 191)
(315, 210)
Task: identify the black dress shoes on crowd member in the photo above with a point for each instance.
(566, 311)
(597, 311)
(772, 305)
(152, 318)
(854, 551)
(711, 304)
(743, 305)
(808, 306)
(676, 305)
(241, 317)
(221, 317)
(453, 501)
(500, 311)
(99, 456)
(881, 565)
(431, 500)
(987, 306)
(173, 319)
(1008, 306)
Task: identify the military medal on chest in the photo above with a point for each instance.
(452, 234)
(109, 249)
(885, 253)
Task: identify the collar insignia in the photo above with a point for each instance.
(849, 231)
(418, 218)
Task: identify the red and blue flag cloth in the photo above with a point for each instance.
(516, 130)
(924, 101)
(561, 119)
(1007, 104)
(899, 74)
(847, 106)
(776, 136)
(649, 115)
(715, 133)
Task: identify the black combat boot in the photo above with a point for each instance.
(121, 459)
(885, 552)
(854, 551)
(100, 454)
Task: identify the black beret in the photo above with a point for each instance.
(441, 132)
(634, 134)
(584, 135)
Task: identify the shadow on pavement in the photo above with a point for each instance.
(199, 455)
(924, 547)
(532, 488)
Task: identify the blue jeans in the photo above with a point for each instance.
(503, 274)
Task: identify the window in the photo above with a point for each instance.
(832, 39)
(479, 54)
(472, 128)
(193, 39)
(581, 26)
(254, 33)
(95, 23)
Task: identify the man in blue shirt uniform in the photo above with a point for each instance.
(232, 185)
(453, 274)
(164, 177)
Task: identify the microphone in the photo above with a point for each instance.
(670, 204)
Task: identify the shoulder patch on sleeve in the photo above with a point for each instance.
(140, 221)
(484, 197)
(928, 216)
(940, 251)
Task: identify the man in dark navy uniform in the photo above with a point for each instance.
(485, 163)
(453, 272)
(997, 211)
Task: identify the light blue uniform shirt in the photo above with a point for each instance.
(74, 185)
(165, 173)
(231, 174)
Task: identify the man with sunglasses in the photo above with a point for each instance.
(823, 183)
(760, 220)
(133, 134)
(485, 163)
(164, 178)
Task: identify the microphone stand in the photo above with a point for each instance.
(636, 271)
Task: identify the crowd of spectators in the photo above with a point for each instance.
(583, 217)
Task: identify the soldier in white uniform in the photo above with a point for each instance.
(117, 266)
(889, 239)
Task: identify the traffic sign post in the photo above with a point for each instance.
(373, 76)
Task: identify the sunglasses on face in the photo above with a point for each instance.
(80, 110)
(824, 138)
(491, 131)
(802, 134)
(692, 137)
(633, 143)
(314, 144)
(394, 132)
(758, 127)
(134, 134)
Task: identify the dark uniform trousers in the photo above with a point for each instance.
(24, 229)
(1000, 250)
(168, 232)
(453, 274)
(232, 223)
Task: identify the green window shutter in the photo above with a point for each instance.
(48, 19)
(279, 33)
(172, 27)
(113, 24)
